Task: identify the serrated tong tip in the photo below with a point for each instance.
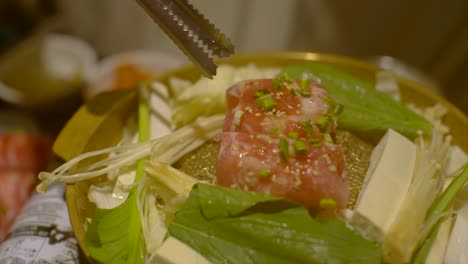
(199, 39)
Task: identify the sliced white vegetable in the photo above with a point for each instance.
(173, 251)
(387, 181)
(456, 248)
(226, 76)
(102, 197)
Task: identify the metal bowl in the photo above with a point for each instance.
(94, 133)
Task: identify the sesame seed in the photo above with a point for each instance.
(298, 181)
(235, 147)
(274, 178)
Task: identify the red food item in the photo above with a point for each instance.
(244, 159)
(290, 109)
(15, 189)
(22, 156)
(281, 145)
(24, 151)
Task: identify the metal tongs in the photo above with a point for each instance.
(191, 31)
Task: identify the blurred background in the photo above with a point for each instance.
(51, 49)
(56, 54)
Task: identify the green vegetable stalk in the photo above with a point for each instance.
(114, 236)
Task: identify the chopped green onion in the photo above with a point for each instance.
(263, 99)
(280, 80)
(327, 203)
(293, 134)
(284, 149)
(3, 210)
(266, 102)
(300, 147)
(338, 109)
(323, 122)
(304, 84)
(285, 77)
(330, 102)
(274, 131)
(276, 83)
(305, 92)
(265, 173)
(261, 93)
(327, 137)
(295, 92)
(315, 142)
(307, 127)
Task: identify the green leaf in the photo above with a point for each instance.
(234, 226)
(215, 203)
(365, 108)
(110, 234)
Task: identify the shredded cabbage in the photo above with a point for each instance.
(207, 96)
